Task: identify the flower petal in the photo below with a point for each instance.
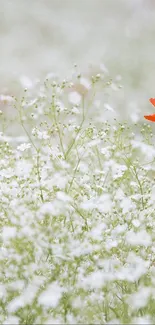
(152, 101)
(150, 117)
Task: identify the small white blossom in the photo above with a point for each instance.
(63, 197)
(7, 173)
(126, 204)
(24, 146)
(146, 149)
(51, 296)
(140, 299)
(104, 203)
(141, 238)
(8, 232)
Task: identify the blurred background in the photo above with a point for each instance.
(45, 36)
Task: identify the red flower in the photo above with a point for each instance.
(151, 117)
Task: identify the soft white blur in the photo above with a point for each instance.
(42, 36)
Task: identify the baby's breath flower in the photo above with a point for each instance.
(77, 214)
(24, 146)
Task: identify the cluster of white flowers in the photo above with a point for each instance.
(76, 216)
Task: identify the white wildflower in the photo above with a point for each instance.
(8, 232)
(152, 195)
(118, 171)
(60, 105)
(134, 269)
(23, 168)
(47, 208)
(3, 290)
(105, 151)
(139, 299)
(42, 135)
(94, 143)
(24, 146)
(97, 232)
(126, 204)
(146, 149)
(15, 304)
(141, 238)
(104, 203)
(88, 205)
(51, 296)
(62, 196)
(95, 280)
(7, 173)
(119, 194)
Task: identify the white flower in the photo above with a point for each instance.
(139, 299)
(134, 269)
(127, 205)
(8, 232)
(60, 105)
(146, 149)
(94, 143)
(42, 135)
(62, 196)
(104, 203)
(24, 146)
(51, 296)
(105, 151)
(15, 304)
(118, 171)
(7, 173)
(23, 168)
(88, 205)
(95, 280)
(141, 238)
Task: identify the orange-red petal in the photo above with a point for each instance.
(150, 117)
(152, 101)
